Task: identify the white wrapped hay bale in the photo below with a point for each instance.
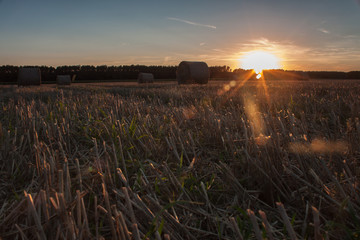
(29, 76)
(192, 72)
(145, 78)
(63, 79)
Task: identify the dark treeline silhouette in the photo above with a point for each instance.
(274, 74)
(8, 73)
(280, 74)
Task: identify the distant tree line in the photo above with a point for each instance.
(280, 74)
(8, 73)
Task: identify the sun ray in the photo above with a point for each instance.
(259, 61)
(256, 61)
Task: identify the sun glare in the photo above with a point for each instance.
(259, 61)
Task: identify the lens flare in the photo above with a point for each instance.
(257, 124)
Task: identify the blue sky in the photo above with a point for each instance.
(307, 35)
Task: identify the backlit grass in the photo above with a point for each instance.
(181, 162)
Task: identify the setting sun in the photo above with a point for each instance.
(259, 60)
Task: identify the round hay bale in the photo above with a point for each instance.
(63, 79)
(192, 72)
(29, 76)
(145, 78)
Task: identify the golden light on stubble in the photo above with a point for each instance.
(319, 146)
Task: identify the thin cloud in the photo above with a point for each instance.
(350, 36)
(191, 23)
(218, 50)
(323, 30)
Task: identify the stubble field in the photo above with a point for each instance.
(162, 161)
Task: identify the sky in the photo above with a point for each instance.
(304, 35)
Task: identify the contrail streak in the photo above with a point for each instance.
(192, 23)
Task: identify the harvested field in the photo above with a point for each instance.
(217, 161)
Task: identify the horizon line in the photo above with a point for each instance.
(80, 65)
